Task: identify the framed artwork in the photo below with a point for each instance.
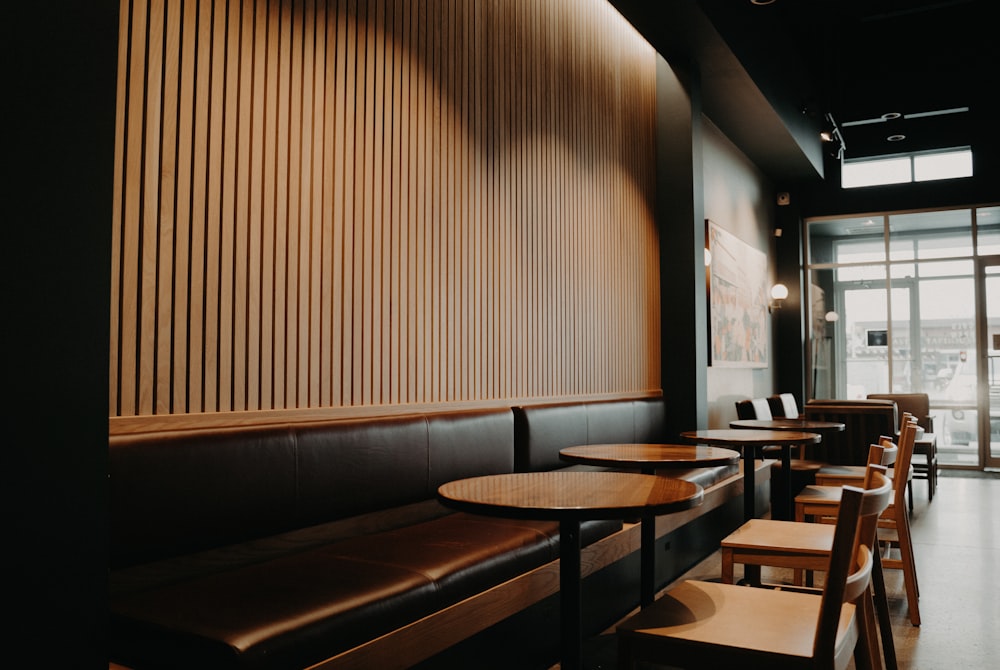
(737, 301)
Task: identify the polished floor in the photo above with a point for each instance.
(957, 548)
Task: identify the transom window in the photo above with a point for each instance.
(907, 168)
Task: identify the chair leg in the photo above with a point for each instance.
(911, 559)
(799, 576)
(866, 654)
(727, 565)
(882, 610)
(907, 563)
(931, 479)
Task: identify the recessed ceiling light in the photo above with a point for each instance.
(889, 116)
(761, 3)
(895, 138)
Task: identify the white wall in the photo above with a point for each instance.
(741, 199)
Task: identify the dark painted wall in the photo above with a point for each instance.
(60, 114)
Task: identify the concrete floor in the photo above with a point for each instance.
(957, 549)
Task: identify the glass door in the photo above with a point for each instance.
(865, 344)
(990, 363)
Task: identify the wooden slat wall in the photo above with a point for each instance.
(360, 203)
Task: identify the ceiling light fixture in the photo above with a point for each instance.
(889, 116)
(830, 134)
(899, 137)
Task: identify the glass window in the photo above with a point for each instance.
(905, 169)
(862, 273)
(906, 322)
(957, 268)
(988, 225)
(902, 270)
(945, 234)
(866, 231)
(876, 173)
(946, 165)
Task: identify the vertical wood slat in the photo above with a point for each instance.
(149, 235)
(256, 47)
(363, 202)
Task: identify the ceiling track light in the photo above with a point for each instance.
(831, 134)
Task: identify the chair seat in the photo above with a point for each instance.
(788, 536)
(852, 475)
(801, 465)
(707, 623)
(821, 495)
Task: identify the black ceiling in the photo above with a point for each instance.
(855, 60)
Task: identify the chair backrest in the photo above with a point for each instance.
(784, 405)
(864, 423)
(876, 454)
(849, 573)
(907, 436)
(755, 408)
(917, 404)
(745, 410)
(761, 408)
(890, 451)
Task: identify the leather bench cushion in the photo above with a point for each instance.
(178, 493)
(283, 613)
(468, 444)
(650, 417)
(351, 467)
(704, 477)
(541, 431)
(306, 606)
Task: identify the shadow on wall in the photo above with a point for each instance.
(571, 70)
(723, 410)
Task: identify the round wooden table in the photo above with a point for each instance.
(570, 497)
(749, 441)
(807, 425)
(783, 423)
(648, 458)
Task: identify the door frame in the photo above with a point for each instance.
(986, 459)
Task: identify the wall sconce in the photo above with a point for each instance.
(778, 294)
(831, 317)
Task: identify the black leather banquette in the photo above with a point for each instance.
(284, 546)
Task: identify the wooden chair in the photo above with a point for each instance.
(820, 503)
(925, 463)
(806, 547)
(762, 543)
(839, 475)
(784, 405)
(803, 470)
(711, 625)
(854, 475)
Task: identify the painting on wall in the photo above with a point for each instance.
(737, 301)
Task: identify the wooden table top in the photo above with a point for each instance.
(561, 494)
(787, 424)
(660, 455)
(750, 436)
